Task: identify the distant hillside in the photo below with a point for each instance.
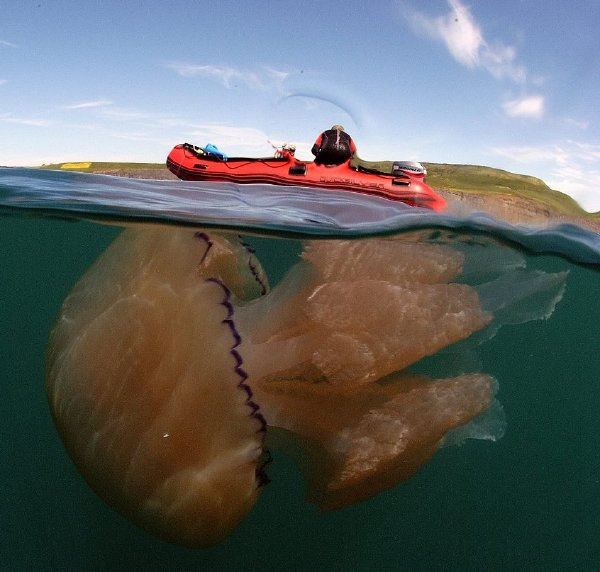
(490, 181)
(99, 167)
(137, 170)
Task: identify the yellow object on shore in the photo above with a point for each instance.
(75, 165)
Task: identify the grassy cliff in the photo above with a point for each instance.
(475, 179)
(100, 167)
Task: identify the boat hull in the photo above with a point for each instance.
(188, 163)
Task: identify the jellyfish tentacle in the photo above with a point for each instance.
(335, 328)
(352, 443)
(357, 322)
(395, 260)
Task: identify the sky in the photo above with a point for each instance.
(512, 84)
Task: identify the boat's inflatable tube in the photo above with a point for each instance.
(407, 185)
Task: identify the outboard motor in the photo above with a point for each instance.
(411, 168)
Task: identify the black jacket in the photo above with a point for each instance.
(333, 147)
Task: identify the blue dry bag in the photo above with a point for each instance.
(213, 150)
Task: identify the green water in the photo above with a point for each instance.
(529, 501)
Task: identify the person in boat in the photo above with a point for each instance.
(286, 151)
(333, 147)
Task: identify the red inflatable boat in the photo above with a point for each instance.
(405, 183)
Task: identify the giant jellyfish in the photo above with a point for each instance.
(173, 367)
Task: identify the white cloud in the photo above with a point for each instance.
(232, 77)
(3, 81)
(133, 136)
(588, 152)
(459, 32)
(125, 114)
(88, 104)
(8, 118)
(7, 44)
(583, 187)
(529, 106)
(571, 167)
(577, 123)
(277, 75)
(465, 41)
(147, 120)
(227, 137)
(530, 154)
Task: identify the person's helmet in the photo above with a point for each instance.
(338, 128)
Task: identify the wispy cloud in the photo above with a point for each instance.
(230, 136)
(129, 114)
(242, 140)
(529, 106)
(577, 123)
(529, 154)
(573, 168)
(586, 151)
(230, 77)
(152, 132)
(465, 41)
(7, 44)
(88, 104)
(9, 118)
(583, 187)
(3, 81)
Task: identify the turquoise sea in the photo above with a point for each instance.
(528, 500)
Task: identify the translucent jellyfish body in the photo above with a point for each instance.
(171, 361)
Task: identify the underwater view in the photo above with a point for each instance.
(299, 287)
(436, 383)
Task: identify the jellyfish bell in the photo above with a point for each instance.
(147, 388)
